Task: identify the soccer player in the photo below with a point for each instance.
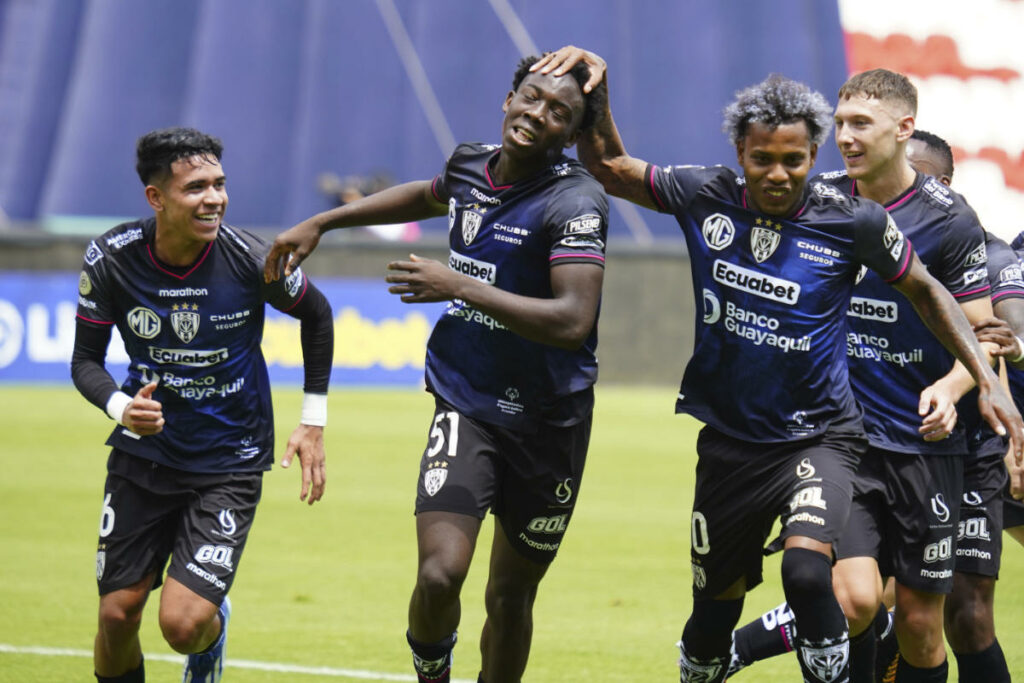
(510, 363)
(195, 424)
(774, 260)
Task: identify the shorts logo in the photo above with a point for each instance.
(434, 479)
(226, 518)
(84, 284)
(712, 307)
(940, 508)
(143, 322)
(101, 563)
(827, 663)
(764, 242)
(700, 578)
(939, 552)
(93, 253)
(972, 498)
(549, 525)
(805, 470)
(185, 321)
(470, 225)
(219, 555)
(718, 231)
(563, 492)
(893, 239)
(809, 496)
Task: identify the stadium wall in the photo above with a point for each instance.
(645, 326)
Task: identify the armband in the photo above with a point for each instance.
(1020, 356)
(314, 410)
(116, 404)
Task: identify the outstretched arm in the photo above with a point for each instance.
(600, 147)
(937, 308)
(399, 204)
(565, 320)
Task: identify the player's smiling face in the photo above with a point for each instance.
(192, 200)
(542, 117)
(867, 131)
(775, 163)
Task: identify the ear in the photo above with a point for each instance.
(814, 153)
(904, 128)
(508, 100)
(739, 153)
(945, 180)
(571, 140)
(154, 197)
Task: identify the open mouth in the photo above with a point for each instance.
(210, 219)
(522, 135)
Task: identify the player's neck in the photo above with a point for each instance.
(888, 184)
(175, 250)
(508, 169)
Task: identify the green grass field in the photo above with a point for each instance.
(328, 586)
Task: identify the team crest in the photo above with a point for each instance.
(101, 563)
(827, 663)
(434, 479)
(470, 225)
(764, 242)
(185, 321)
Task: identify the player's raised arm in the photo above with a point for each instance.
(940, 312)
(399, 204)
(600, 148)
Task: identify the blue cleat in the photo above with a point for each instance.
(207, 667)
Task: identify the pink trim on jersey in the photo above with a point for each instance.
(433, 191)
(597, 257)
(900, 202)
(744, 196)
(90, 320)
(797, 215)
(973, 291)
(785, 639)
(305, 286)
(487, 175)
(654, 193)
(190, 270)
(1007, 292)
(906, 264)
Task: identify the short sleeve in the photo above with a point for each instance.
(577, 223)
(879, 243)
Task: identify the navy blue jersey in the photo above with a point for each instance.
(769, 362)
(893, 354)
(1007, 282)
(196, 331)
(1017, 376)
(510, 237)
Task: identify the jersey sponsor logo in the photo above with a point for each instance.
(512, 234)
(977, 257)
(183, 292)
(143, 322)
(471, 221)
(764, 242)
(938, 191)
(761, 329)
(827, 191)
(832, 175)
(549, 525)
(84, 283)
(185, 321)
(293, 282)
(93, 253)
(451, 213)
(227, 321)
(510, 405)
(246, 450)
(873, 309)
(86, 303)
(582, 242)
(805, 470)
(817, 253)
(712, 307)
(940, 508)
(1011, 275)
(588, 222)
(435, 477)
(560, 169)
(826, 661)
(121, 239)
(798, 424)
(870, 347)
(459, 309)
(753, 282)
(478, 270)
(976, 276)
(718, 231)
(196, 358)
(231, 233)
(477, 194)
(893, 239)
(563, 492)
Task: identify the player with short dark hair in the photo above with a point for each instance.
(195, 423)
(774, 260)
(510, 363)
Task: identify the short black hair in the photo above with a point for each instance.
(594, 102)
(775, 101)
(937, 146)
(157, 150)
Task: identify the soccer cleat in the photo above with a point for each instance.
(207, 667)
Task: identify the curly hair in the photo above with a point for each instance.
(775, 101)
(937, 146)
(157, 150)
(594, 102)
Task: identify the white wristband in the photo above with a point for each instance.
(116, 404)
(314, 410)
(1020, 356)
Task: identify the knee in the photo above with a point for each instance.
(120, 617)
(182, 632)
(919, 629)
(969, 619)
(439, 580)
(805, 573)
(509, 597)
